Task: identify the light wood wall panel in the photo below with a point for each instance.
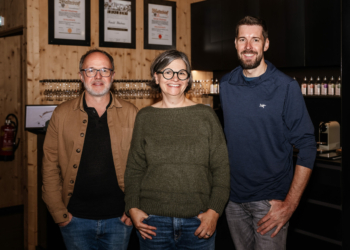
(11, 173)
(13, 11)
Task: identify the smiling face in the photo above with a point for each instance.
(250, 46)
(174, 86)
(98, 85)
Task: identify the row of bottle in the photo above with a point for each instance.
(323, 87)
(213, 88)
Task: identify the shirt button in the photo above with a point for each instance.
(84, 121)
(71, 182)
(82, 134)
(64, 216)
(78, 150)
(75, 166)
(70, 194)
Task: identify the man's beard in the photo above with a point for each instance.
(250, 64)
(94, 93)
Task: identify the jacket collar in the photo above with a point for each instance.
(79, 102)
(237, 78)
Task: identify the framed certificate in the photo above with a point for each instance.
(69, 22)
(36, 116)
(159, 24)
(117, 23)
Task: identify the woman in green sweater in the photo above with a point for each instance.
(177, 178)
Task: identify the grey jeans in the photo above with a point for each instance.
(242, 220)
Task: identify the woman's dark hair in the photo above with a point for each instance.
(164, 60)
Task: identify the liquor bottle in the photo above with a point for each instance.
(304, 86)
(216, 86)
(338, 87)
(318, 86)
(324, 90)
(310, 87)
(331, 86)
(212, 86)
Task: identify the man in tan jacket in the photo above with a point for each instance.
(85, 153)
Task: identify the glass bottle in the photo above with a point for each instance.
(212, 86)
(318, 86)
(331, 86)
(304, 86)
(324, 90)
(338, 87)
(310, 87)
(216, 88)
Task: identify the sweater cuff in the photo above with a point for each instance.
(217, 205)
(130, 203)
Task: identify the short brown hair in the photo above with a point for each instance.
(251, 20)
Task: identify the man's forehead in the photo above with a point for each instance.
(97, 57)
(250, 30)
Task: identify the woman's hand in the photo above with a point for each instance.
(137, 216)
(208, 224)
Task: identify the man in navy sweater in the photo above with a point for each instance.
(264, 117)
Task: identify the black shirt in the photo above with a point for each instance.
(97, 194)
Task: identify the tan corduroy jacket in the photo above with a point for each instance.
(63, 148)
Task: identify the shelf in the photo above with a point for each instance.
(323, 96)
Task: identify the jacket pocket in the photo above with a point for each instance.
(126, 138)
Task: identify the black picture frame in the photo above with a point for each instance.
(53, 40)
(146, 19)
(102, 42)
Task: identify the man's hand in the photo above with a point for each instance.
(281, 211)
(126, 220)
(208, 224)
(279, 214)
(137, 217)
(63, 224)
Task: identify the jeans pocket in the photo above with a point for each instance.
(124, 223)
(149, 217)
(267, 202)
(196, 217)
(68, 223)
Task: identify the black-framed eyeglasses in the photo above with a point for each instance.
(169, 74)
(91, 72)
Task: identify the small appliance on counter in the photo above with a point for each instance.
(329, 137)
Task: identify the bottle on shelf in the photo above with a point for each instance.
(304, 86)
(216, 87)
(338, 87)
(331, 86)
(310, 87)
(318, 86)
(324, 89)
(212, 87)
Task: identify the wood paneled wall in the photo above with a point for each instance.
(11, 93)
(13, 11)
(46, 61)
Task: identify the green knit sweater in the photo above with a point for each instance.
(178, 162)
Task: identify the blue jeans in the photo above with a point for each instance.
(243, 220)
(86, 234)
(175, 233)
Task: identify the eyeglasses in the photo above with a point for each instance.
(169, 74)
(91, 72)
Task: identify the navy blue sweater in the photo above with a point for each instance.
(263, 119)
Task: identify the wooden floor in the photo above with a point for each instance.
(11, 228)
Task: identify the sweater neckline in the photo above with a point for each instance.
(179, 108)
